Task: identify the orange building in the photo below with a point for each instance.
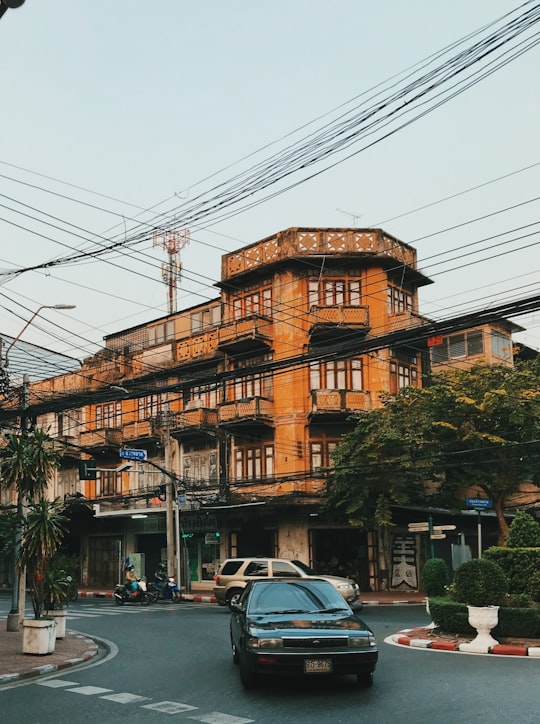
(236, 405)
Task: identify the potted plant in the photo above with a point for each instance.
(43, 530)
(58, 590)
(481, 584)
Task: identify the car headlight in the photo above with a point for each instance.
(255, 643)
(344, 586)
(362, 642)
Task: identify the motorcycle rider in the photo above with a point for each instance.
(131, 580)
(166, 584)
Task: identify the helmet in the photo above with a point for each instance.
(131, 568)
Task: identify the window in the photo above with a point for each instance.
(109, 482)
(202, 319)
(501, 345)
(336, 375)
(109, 415)
(149, 407)
(256, 385)
(202, 396)
(256, 301)
(399, 300)
(332, 292)
(254, 462)
(321, 454)
(402, 375)
(161, 333)
(456, 346)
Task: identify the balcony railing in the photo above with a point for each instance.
(198, 346)
(330, 319)
(191, 422)
(247, 333)
(252, 409)
(102, 437)
(139, 430)
(339, 402)
(300, 242)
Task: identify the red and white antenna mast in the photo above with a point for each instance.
(171, 271)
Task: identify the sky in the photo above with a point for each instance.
(116, 114)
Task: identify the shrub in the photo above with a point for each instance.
(435, 577)
(534, 586)
(524, 532)
(480, 582)
(452, 617)
(519, 564)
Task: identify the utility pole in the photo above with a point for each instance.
(171, 491)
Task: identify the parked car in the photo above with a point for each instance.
(234, 574)
(299, 626)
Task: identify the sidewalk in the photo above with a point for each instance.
(14, 665)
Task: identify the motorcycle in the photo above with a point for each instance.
(165, 590)
(139, 595)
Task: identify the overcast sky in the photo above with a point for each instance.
(112, 108)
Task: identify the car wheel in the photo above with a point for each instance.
(365, 680)
(247, 676)
(233, 596)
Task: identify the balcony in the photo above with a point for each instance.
(337, 404)
(140, 431)
(245, 335)
(104, 438)
(248, 412)
(197, 347)
(193, 423)
(331, 322)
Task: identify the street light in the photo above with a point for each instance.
(18, 591)
(36, 313)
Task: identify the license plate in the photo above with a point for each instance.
(317, 666)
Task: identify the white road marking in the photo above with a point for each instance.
(89, 690)
(217, 717)
(125, 698)
(56, 683)
(169, 707)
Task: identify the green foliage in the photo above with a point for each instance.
(480, 582)
(43, 530)
(27, 464)
(517, 600)
(453, 617)
(60, 581)
(519, 565)
(435, 577)
(524, 531)
(450, 616)
(467, 430)
(534, 586)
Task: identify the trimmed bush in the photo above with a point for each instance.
(480, 582)
(519, 564)
(534, 586)
(524, 532)
(435, 577)
(452, 617)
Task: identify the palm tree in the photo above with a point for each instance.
(27, 465)
(43, 530)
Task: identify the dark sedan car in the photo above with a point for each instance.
(299, 626)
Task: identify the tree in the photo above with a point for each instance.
(524, 532)
(27, 465)
(476, 429)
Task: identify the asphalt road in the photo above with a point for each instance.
(174, 661)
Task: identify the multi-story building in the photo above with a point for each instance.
(237, 405)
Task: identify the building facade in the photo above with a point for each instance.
(227, 413)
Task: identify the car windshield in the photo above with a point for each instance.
(298, 596)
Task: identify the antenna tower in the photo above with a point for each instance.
(171, 270)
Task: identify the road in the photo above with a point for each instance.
(173, 661)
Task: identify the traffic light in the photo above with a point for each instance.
(87, 469)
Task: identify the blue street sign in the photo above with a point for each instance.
(128, 454)
(479, 503)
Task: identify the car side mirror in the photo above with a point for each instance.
(236, 607)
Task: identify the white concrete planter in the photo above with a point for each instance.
(39, 636)
(59, 615)
(483, 619)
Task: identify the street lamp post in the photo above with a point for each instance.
(16, 614)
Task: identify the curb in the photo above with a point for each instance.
(402, 639)
(91, 651)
